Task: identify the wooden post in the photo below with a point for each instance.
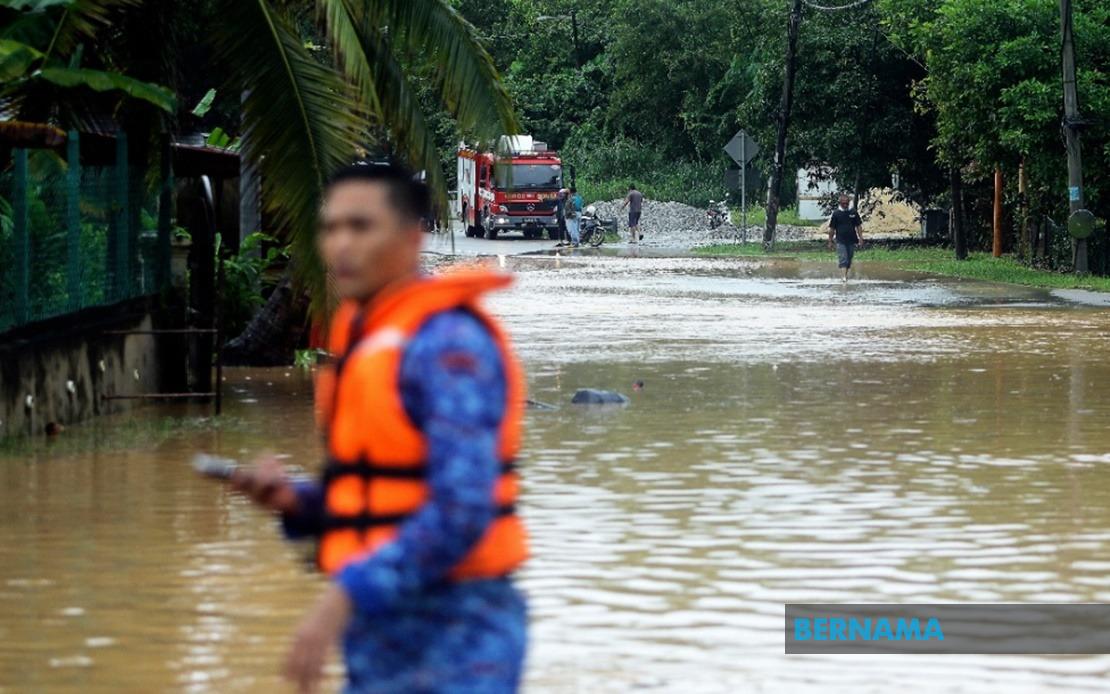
(996, 246)
(775, 185)
(21, 237)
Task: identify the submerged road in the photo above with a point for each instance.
(898, 439)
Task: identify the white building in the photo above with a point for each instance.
(815, 185)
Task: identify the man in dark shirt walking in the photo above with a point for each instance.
(634, 201)
(846, 227)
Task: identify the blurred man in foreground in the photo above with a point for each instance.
(415, 509)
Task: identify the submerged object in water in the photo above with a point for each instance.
(537, 405)
(590, 396)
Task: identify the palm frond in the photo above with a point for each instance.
(300, 120)
(468, 85)
(367, 36)
(367, 59)
(56, 26)
(82, 19)
(101, 81)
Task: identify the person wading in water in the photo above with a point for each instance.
(846, 227)
(634, 201)
(414, 512)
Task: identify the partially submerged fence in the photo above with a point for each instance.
(72, 237)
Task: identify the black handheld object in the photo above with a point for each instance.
(214, 467)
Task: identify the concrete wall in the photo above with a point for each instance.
(68, 364)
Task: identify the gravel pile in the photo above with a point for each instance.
(675, 225)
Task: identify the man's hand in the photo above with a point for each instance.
(314, 638)
(830, 244)
(267, 485)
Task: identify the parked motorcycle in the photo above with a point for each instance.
(717, 214)
(591, 228)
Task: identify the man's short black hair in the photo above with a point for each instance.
(573, 189)
(632, 186)
(408, 196)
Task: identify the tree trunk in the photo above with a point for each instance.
(276, 331)
(775, 185)
(959, 233)
(996, 218)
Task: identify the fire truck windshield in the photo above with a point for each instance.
(528, 176)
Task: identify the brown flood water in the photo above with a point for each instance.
(896, 440)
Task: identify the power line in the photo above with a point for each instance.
(836, 8)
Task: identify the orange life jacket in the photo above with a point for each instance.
(375, 476)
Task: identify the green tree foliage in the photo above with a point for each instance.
(894, 86)
(993, 86)
(313, 83)
(853, 104)
(42, 74)
(654, 99)
(666, 83)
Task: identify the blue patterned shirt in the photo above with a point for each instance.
(454, 389)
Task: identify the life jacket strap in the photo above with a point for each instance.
(366, 521)
(335, 468)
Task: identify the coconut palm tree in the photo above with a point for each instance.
(304, 117)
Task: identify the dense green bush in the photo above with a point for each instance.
(242, 291)
(606, 166)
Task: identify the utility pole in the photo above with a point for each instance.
(1072, 123)
(1023, 210)
(574, 33)
(787, 101)
(573, 17)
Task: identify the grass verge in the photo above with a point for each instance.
(939, 261)
(757, 217)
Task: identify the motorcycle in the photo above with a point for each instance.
(717, 214)
(591, 228)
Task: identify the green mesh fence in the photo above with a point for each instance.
(72, 237)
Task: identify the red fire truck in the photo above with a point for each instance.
(511, 189)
